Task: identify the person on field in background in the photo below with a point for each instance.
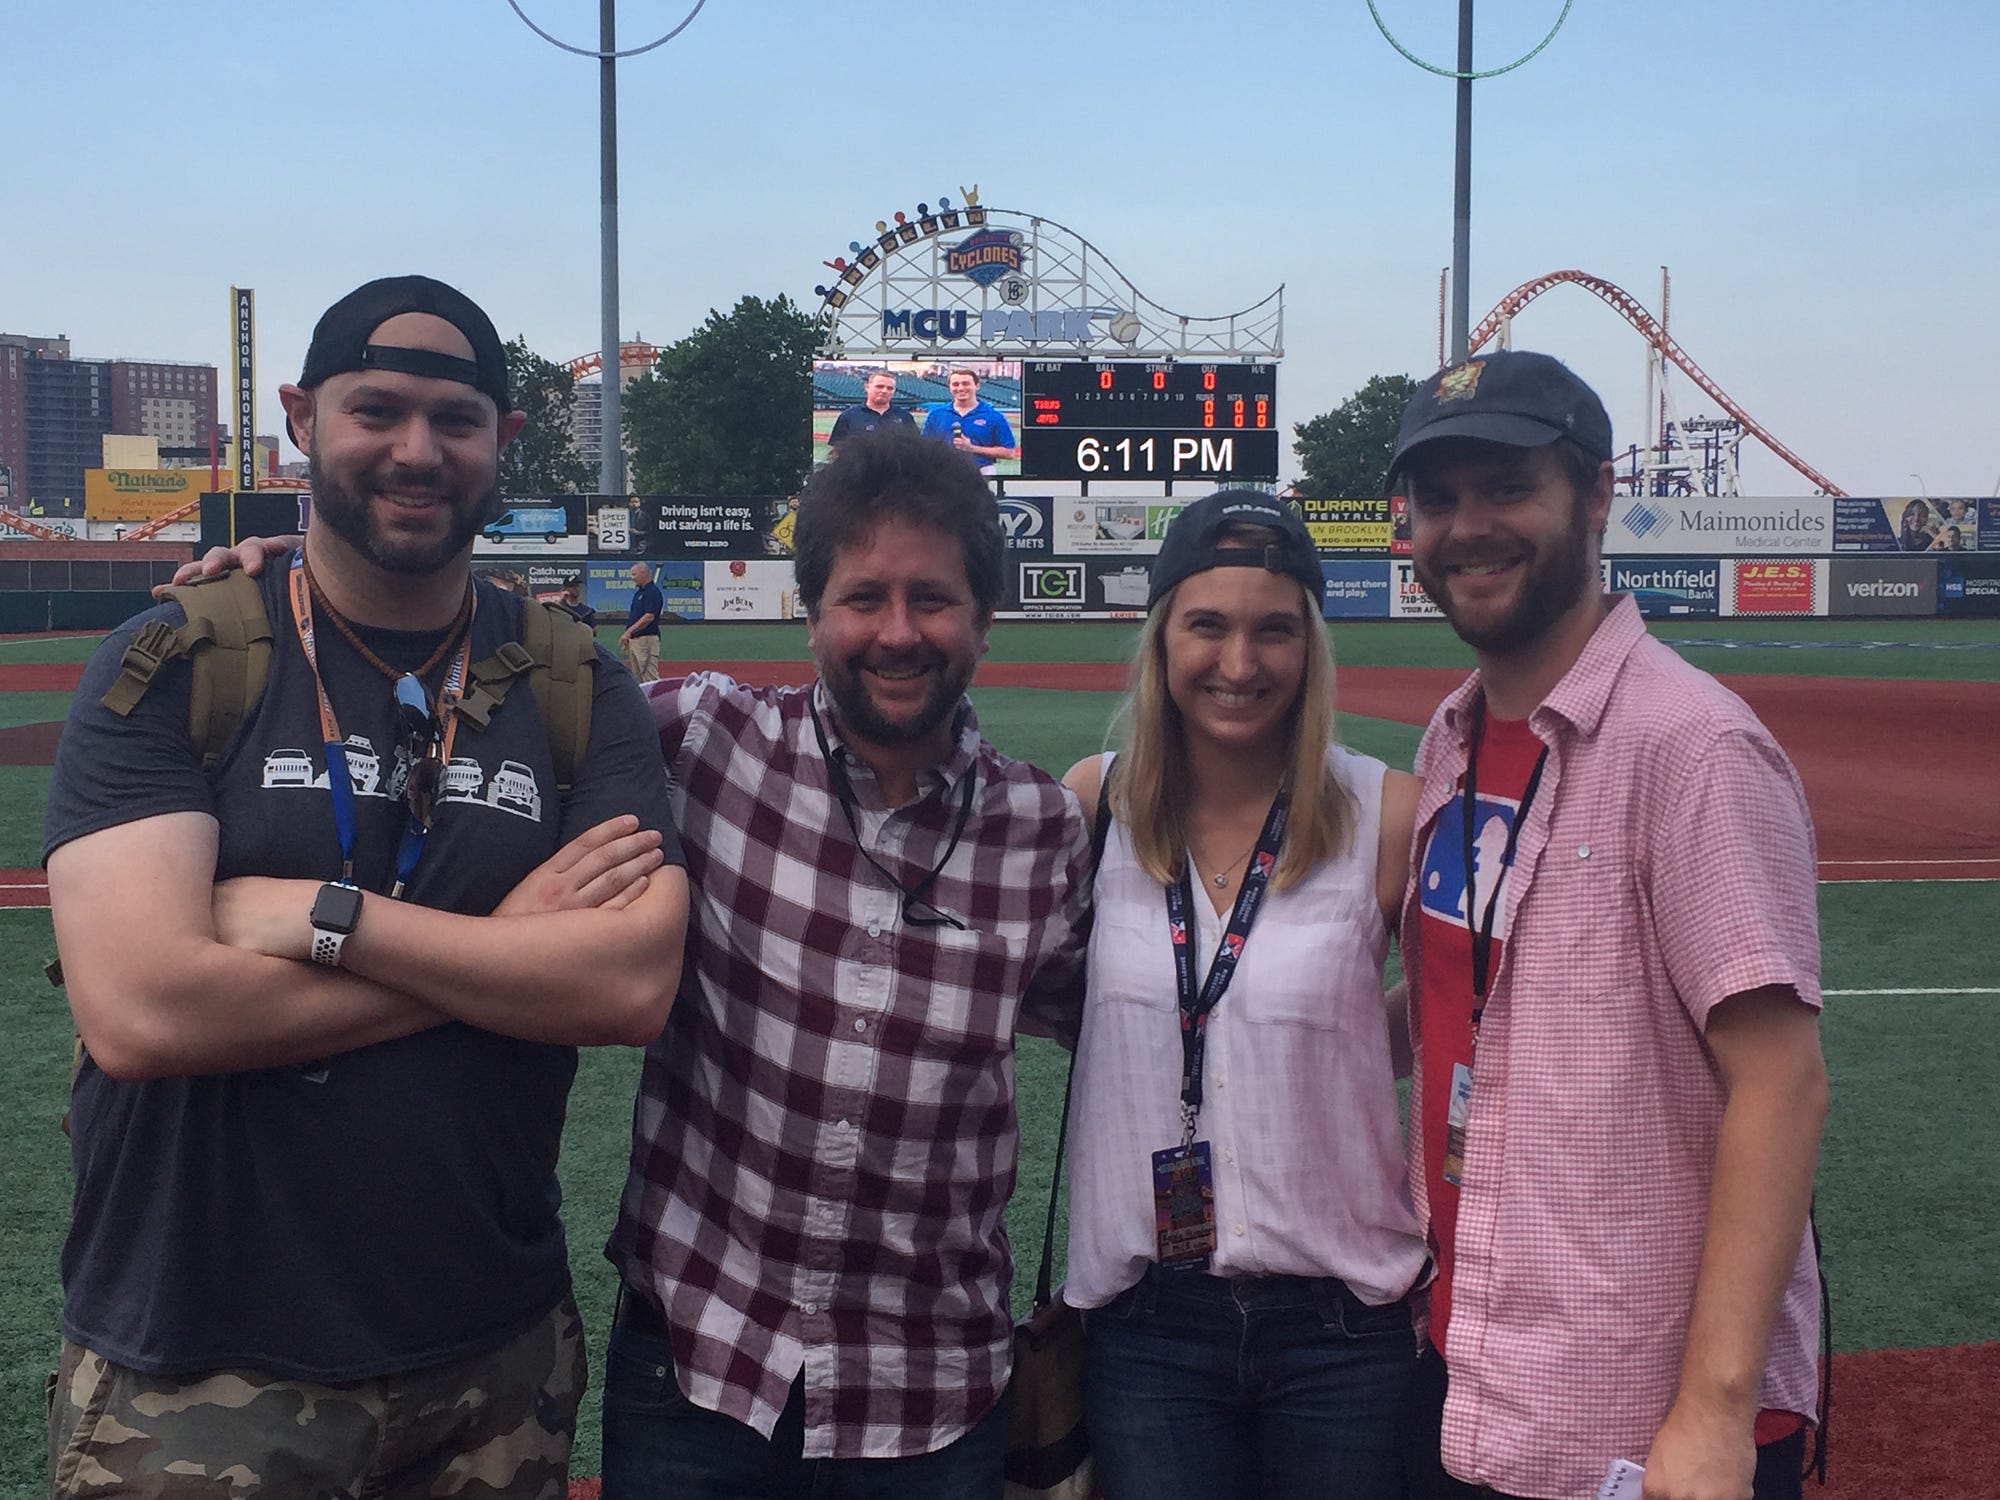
(970, 425)
(1239, 1231)
(877, 391)
(1613, 957)
(329, 1000)
(641, 637)
(811, 1243)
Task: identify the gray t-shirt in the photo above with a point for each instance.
(390, 1208)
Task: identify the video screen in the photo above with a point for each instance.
(974, 402)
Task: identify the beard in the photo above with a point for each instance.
(862, 721)
(348, 510)
(1554, 579)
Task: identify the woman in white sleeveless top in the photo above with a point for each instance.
(1266, 1356)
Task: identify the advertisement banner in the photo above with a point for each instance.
(1355, 591)
(1340, 527)
(1050, 590)
(1776, 586)
(741, 589)
(1670, 587)
(1399, 525)
(1407, 599)
(1025, 521)
(1127, 526)
(528, 524)
(697, 526)
(243, 319)
(1882, 586)
(1921, 523)
(607, 588)
(1706, 526)
(139, 494)
(1969, 586)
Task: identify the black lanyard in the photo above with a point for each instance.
(1196, 1004)
(843, 793)
(1481, 931)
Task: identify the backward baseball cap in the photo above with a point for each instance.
(340, 340)
(1513, 397)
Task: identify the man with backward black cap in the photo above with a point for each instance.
(315, 1247)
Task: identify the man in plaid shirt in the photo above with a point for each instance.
(1613, 952)
(811, 1241)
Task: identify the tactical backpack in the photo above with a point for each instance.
(227, 641)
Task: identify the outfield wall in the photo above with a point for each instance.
(1086, 557)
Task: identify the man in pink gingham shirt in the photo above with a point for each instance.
(1614, 989)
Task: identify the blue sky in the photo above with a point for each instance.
(1820, 179)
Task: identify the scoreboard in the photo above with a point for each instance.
(1089, 419)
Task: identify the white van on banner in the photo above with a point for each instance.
(749, 589)
(1706, 526)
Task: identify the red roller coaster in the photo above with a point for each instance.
(1629, 308)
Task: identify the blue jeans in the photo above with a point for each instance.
(657, 1443)
(1200, 1388)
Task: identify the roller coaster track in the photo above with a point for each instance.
(1630, 309)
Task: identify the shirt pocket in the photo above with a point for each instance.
(1311, 969)
(972, 984)
(1131, 960)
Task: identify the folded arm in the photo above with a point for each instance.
(155, 991)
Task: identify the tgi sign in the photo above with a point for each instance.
(1052, 586)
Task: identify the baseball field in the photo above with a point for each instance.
(1895, 728)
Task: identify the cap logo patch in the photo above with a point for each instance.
(1459, 384)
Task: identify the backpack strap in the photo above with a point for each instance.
(227, 641)
(556, 653)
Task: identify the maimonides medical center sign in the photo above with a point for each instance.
(992, 283)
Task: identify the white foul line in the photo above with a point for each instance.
(1972, 991)
(1980, 860)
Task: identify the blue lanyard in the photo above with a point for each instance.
(1195, 1005)
(339, 784)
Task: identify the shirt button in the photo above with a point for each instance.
(860, 1023)
(1583, 851)
(843, 1127)
(1236, 1228)
(810, 1309)
(874, 929)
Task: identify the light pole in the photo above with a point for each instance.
(611, 446)
(1922, 489)
(1461, 175)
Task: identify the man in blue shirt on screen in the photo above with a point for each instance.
(971, 424)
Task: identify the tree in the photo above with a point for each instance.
(540, 461)
(728, 409)
(1346, 451)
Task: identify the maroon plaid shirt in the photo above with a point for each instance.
(824, 1142)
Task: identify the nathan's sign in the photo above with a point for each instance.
(1718, 526)
(139, 494)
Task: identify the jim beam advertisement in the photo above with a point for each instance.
(243, 310)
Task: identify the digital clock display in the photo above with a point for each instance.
(1086, 419)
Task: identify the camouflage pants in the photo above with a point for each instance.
(497, 1425)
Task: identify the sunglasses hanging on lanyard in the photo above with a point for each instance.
(424, 735)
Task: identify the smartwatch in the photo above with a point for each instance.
(334, 913)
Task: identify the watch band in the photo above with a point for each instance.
(326, 947)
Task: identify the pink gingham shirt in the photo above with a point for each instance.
(1667, 863)
(824, 1141)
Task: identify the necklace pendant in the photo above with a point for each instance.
(1221, 878)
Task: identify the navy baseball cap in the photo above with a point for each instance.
(1512, 397)
(1191, 543)
(340, 340)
